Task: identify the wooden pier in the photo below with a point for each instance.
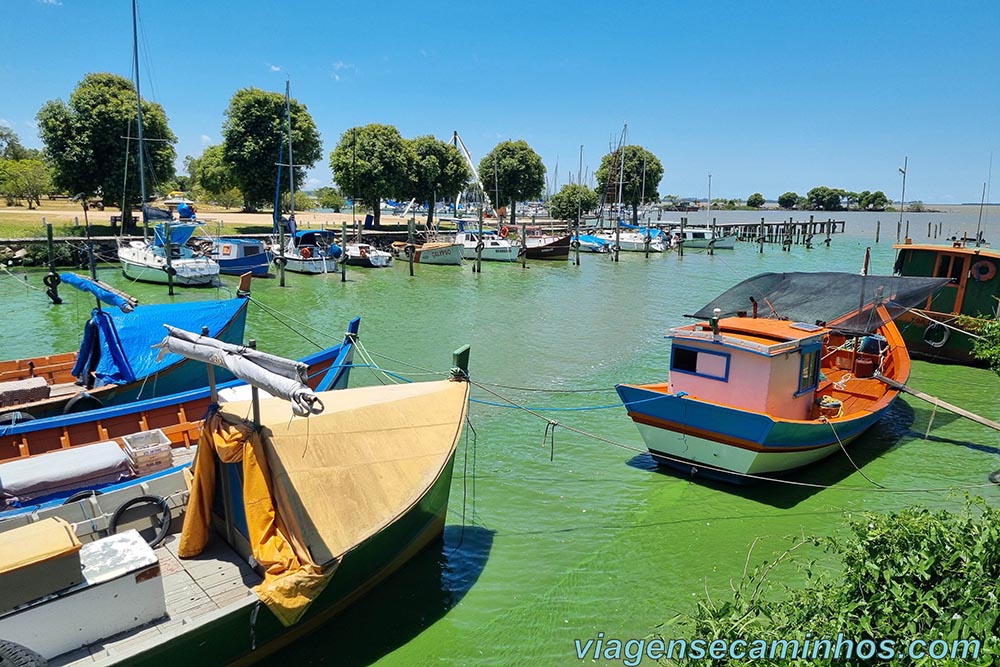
(784, 232)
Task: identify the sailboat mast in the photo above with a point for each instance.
(291, 161)
(138, 106)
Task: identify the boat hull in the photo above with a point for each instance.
(687, 432)
(310, 265)
(555, 248)
(188, 272)
(225, 639)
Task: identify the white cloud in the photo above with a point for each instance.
(341, 66)
(274, 68)
(50, 2)
(6, 123)
(205, 140)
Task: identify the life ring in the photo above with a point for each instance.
(504, 232)
(306, 253)
(984, 270)
(936, 334)
(15, 417)
(81, 495)
(21, 656)
(165, 516)
(280, 262)
(81, 403)
(574, 244)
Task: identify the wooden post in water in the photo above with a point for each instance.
(282, 260)
(928, 230)
(899, 228)
(343, 252)
(170, 250)
(411, 250)
(711, 238)
(618, 238)
(680, 247)
(907, 234)
(524, 246)
(878, 229)
(477, 266)
(51, 279)
(760, 237)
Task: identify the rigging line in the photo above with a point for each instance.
(276, 313)
(550, 391)
(580, 409)
(706, 466)
(369, 361)
(844, 449)
(921, 313)
(23, 278)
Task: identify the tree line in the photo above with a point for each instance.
(89, 148)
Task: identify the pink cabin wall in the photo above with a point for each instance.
(756, 382)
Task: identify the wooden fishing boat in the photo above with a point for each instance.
(115, 364)
(750, 395)
(177, 415)
(332, 504)
(933, 330)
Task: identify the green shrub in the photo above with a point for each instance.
(913, 574)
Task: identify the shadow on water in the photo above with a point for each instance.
(402, 606)
(794, 486)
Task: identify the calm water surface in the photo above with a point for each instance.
(538, 553)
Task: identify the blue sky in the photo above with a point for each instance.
(765, 96)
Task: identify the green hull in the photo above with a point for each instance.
(229, 637)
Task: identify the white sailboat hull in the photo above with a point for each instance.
(145, 265)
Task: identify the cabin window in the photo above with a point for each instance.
(698, 235)
(950, 266)
(714, 365)
(250, 250)
(227, 249)
(809, 369)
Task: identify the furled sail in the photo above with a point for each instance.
(277, 376)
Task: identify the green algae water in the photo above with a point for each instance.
(539, 553)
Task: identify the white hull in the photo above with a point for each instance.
(450, 255)
(631, 242)
(727, 457)
(312, 265)
(146, 266)
(699, 238)
(366, 256)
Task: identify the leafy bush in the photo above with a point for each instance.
(913, 574)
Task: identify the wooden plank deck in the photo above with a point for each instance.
(192, 587)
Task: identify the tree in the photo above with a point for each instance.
(788, 200)
(756, 200)
(254, 132)
(328, 197)
(571, 200)
(438, 170)
(210, 173)
(516, 171)
(825, 199)
(873, 201)
(642, 172)
(24, 179)
(90, 141)
(11, 148)
(372, 162)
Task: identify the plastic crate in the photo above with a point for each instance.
(148, 451)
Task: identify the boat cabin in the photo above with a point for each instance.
(776, 367)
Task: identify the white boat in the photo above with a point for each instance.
(366, 255)
(146, 261)
(494, 247)
(701, 237)
(435, 252)
(636, 241)
(309, 251)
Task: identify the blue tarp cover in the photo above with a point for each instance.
(179, 234)
(125, 339)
